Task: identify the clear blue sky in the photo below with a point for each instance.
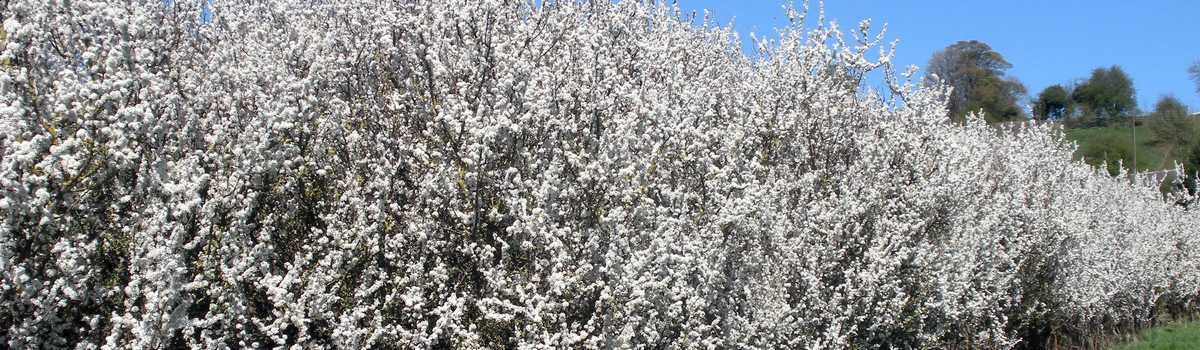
(1047, 41)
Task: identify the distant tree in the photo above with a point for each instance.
(1169, 122)
(977, 74)
(1106, 97)
(1053, 103)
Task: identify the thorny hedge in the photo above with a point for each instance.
(551, 174)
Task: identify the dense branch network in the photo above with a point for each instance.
(536, 175)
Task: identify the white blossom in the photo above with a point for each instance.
(535, 175)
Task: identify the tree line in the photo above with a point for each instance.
(1106, 98)
(981, 85)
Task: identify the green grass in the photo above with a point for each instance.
(1097, 144)
(1179, 336)
(1116, 142)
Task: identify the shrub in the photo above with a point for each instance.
(495, 174)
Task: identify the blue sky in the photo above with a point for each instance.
(1048, 42)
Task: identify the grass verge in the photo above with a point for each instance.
(1177, 336)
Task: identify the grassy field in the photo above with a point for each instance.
(1111, 143)
(1117, 142)
(1180, 336)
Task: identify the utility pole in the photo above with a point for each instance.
(1133, 131)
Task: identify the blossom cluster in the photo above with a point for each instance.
(536, 175)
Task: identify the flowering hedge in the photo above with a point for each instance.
(505, 174)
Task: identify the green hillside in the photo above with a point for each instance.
(1117, 142)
